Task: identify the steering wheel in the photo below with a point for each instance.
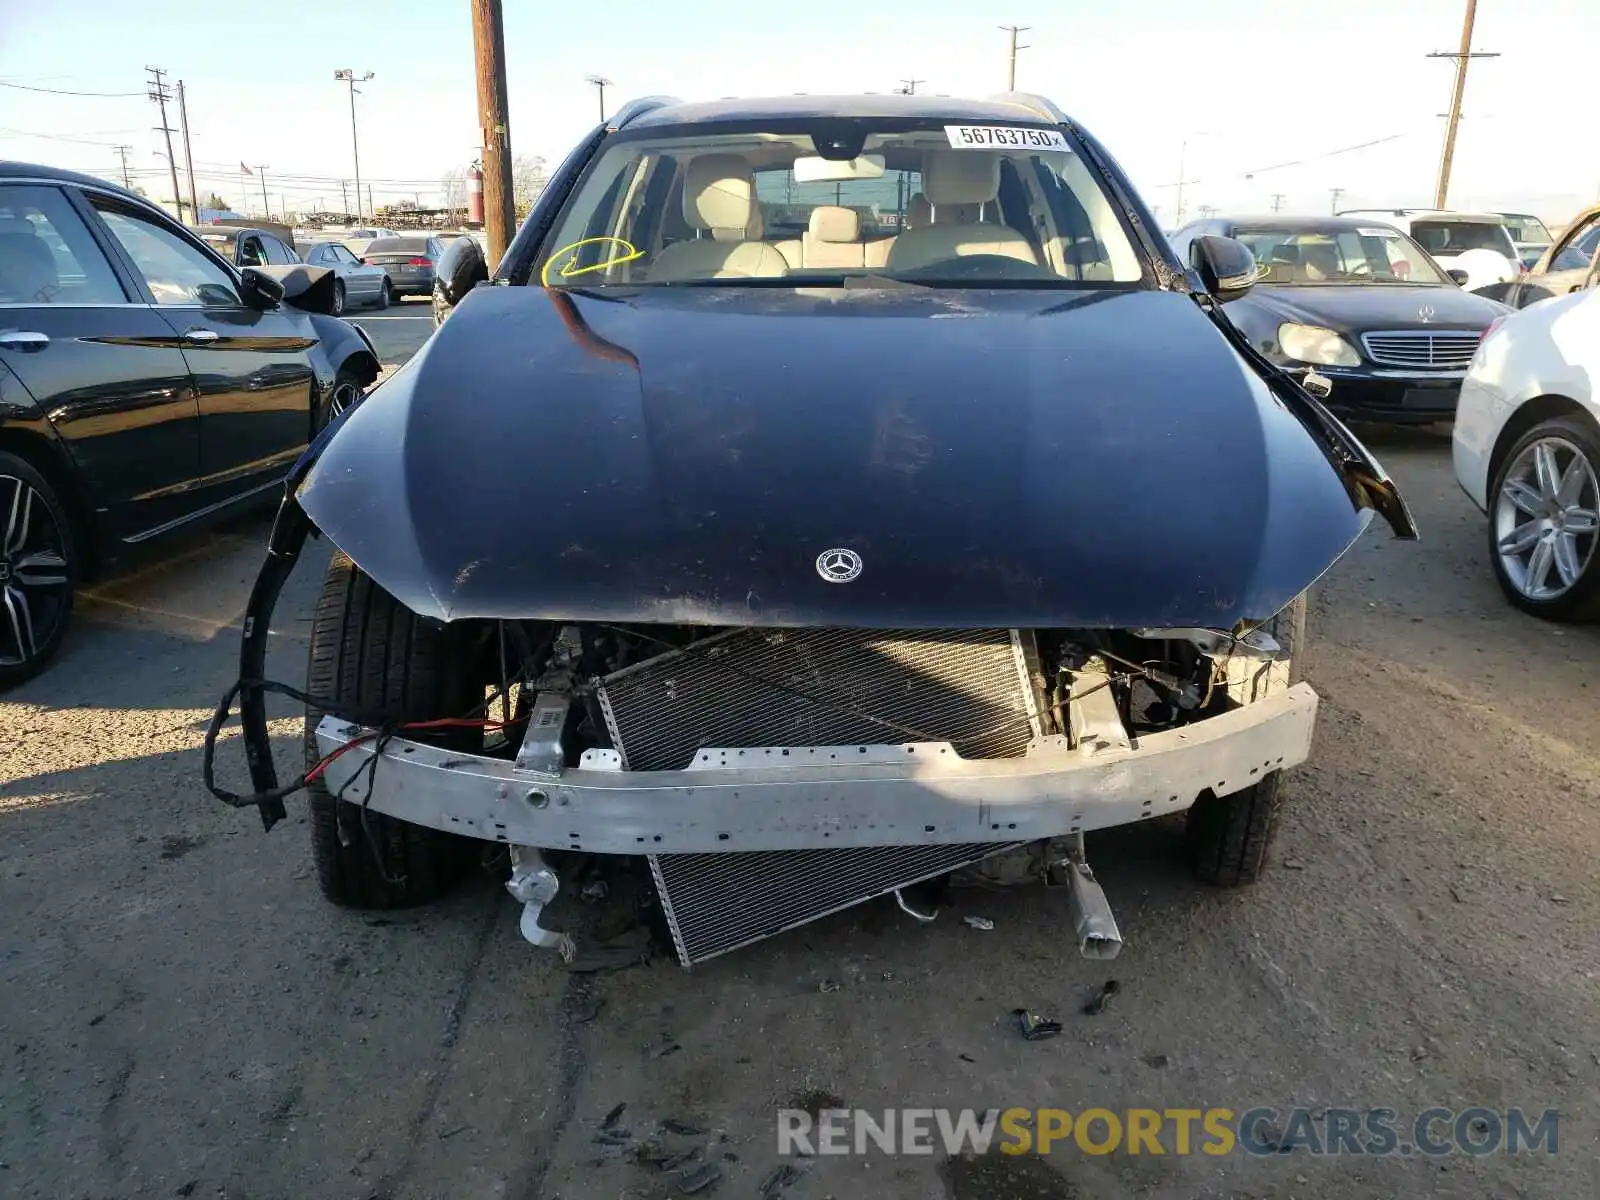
(978, 267)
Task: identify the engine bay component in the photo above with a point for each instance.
(823, 687)
(715, 903)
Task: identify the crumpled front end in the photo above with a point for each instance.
(773, 776)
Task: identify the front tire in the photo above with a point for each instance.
(338, 297)
(386, 293)
(1228, 836)
(38, 571)
(370, 654)
(1544, 521)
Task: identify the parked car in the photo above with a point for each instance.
(357, 282)
(846, 574)
(1569, 264)
(409, 260)
(146, 386)
(1527, 451)
(248, 247)
(1529, 234)
(1477, 243)
(1362, 305)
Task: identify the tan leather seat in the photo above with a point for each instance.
(958, 178)
(719, 203)
(833, 238)
(919, 213)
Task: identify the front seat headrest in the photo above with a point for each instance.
(719, 195)
(960, 177)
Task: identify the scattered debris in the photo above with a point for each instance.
(611, 1117)
(966, 1058)
(1034, 1027)
(681, 1128)
(1097, 1003)
(588, 1010)
(450, 1133)
(779, 1178)
(699, 1179)
(663, 1051)
(828, 985)
(1455, 894)
(1158, 1061)
(672, 1162)
(982, 923)
(1293, 864)
(1418, 1053)
(1558, 898)
(187, 1189)
(814, 1100)
(176, 845)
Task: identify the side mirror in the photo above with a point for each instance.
(460, 269)
(1226, 267)
(260, 290)
(1458, 275)
(310, 289)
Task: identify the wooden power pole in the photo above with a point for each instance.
(1011, 70)
(188, 154)
(489, 55)
(1462, 56)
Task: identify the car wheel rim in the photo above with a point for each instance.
(1545, 518)
(338, 300)
(344, 395)
(34, 581)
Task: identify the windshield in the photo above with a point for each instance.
(1449, 238)
(1526, 229)
(815, 203)
(1369, 254)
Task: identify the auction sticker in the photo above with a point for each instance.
(987, 137)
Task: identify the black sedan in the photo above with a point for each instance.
(1361, 304)
(146, 385)
(410, 262)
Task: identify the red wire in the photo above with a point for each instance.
(323, 763)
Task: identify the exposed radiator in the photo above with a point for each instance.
(719, 902)
(824, 687)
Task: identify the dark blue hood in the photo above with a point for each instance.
(995, 458)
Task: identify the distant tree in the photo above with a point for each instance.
(215, 201)
(528, 177)
(453, 183)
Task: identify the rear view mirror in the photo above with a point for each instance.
(460, 269)
(811, 168)
(1226, 267)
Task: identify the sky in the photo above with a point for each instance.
(1253, 98)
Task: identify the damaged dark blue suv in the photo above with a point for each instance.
(824, 495)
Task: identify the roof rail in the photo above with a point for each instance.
(1038, 104)
(637, 108)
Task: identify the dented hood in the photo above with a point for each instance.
(992, 458)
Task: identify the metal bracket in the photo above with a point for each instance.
(1092, 716)
(541, 749)
(1092, 921)
(535, 884)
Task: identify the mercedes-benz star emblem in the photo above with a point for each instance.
(1425, 313)
(838, 565)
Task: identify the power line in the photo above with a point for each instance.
(64, 92)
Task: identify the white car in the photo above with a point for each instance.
(1527, 451)
(1477, 243)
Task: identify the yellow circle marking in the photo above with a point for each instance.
(625, 253)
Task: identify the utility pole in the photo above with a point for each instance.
(344, 199)
(161, 93)
(1277, 201)
(1335, 193)
(1207, 211)
(266, 209)
(1462, 56)
(494, 123)
(122, 153)
(909, 86)
(1011, 71)
(372, 208)
(601, 83)
(188, 154)
(351, 78)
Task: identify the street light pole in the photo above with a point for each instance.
(351, 78)
(601, 83)
(1011, 71)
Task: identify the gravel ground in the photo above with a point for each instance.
(183, 1016)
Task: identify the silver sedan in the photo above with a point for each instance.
(357, 282)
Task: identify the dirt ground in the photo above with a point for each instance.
(181, 1015)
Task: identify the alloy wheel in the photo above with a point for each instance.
(35, 585)
(1547, 518)
(344, 395)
